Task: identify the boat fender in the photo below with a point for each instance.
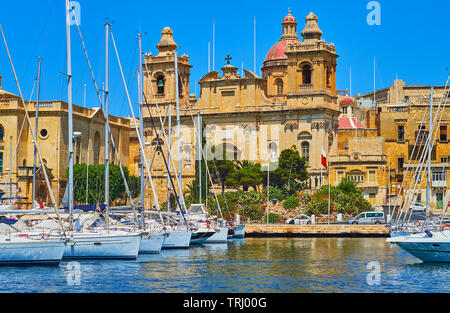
(208, 224)
(429, 234)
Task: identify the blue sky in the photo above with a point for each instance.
(411, 42)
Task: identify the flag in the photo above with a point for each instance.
(324, 158)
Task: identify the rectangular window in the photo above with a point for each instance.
(372, 176)
(227, 93)
(400, 162)
(339, 176)
(443, 133)
(1, 162)
(444, 160)
(401, 133)
(227, 133)
(438, 176)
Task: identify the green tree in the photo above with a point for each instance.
(96, 183)
(246, 174)
(290, 166)
(221, 167)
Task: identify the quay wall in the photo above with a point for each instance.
(332, 230)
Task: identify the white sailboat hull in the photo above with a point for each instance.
(427, 249)
(31, 252)
(220, 236)
(102, 247)
(151, 243)
(177, 239)
(239, 231)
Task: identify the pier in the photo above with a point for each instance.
(317, 230)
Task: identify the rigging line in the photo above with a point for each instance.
(18, 138)
(50, 191)
(164, 158)
(205, 159)
(131, 75)
(135, 124)
(429, 137)
(171, 159)
(203, 153)
(165, 137)
(407, 170)
(104, 117)
(434, 129)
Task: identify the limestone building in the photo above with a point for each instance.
(16, 144)
(402, 115)
(293, 105)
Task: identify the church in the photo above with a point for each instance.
(293, 105)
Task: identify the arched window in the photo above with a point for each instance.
(330, 142)
(279, 84)
(328, 77)
(2, 133)
(96, 148)
(356, 176)
(180, 87)
(273, 149)
(160, 84)
(306, 74)
(305, 150)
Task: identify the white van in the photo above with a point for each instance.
(368, 218)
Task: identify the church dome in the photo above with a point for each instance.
(289, 18)
(347, 100)
(277, 52)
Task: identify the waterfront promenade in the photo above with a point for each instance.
(317, 230)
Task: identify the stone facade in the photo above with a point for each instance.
(242, 113)
(52, 140)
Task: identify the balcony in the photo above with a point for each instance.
(305, 87)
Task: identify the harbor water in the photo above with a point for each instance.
(258, 265)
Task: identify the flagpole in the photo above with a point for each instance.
(329, 192)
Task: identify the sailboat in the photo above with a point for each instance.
(98, 243)
(21, 249)
(430, 241)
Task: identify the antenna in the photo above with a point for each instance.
(374, 80)
(350, 81)
(209, 56)
(214, 44)
(254, 44)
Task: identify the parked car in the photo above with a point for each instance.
(368, 218)
(418, 207)
(301, 219)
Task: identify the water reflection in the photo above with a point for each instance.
(246, 265)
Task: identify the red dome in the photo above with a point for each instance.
(347, 100)
(277, 51)
(289, 19)
(349, 122)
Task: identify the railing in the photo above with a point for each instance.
(305, 87)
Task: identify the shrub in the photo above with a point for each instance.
(273, 218)
(274, 193)
(317, 207)
(291, 203)
(252, 212)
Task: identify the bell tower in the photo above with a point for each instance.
(312, 69)
(159, 75)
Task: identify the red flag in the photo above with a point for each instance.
(324, 158)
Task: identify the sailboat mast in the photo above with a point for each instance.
(36, 129)
(141, 126)
(199, 157)
(178, 125)
(69, 109)
(430, 147)
(106, 124)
